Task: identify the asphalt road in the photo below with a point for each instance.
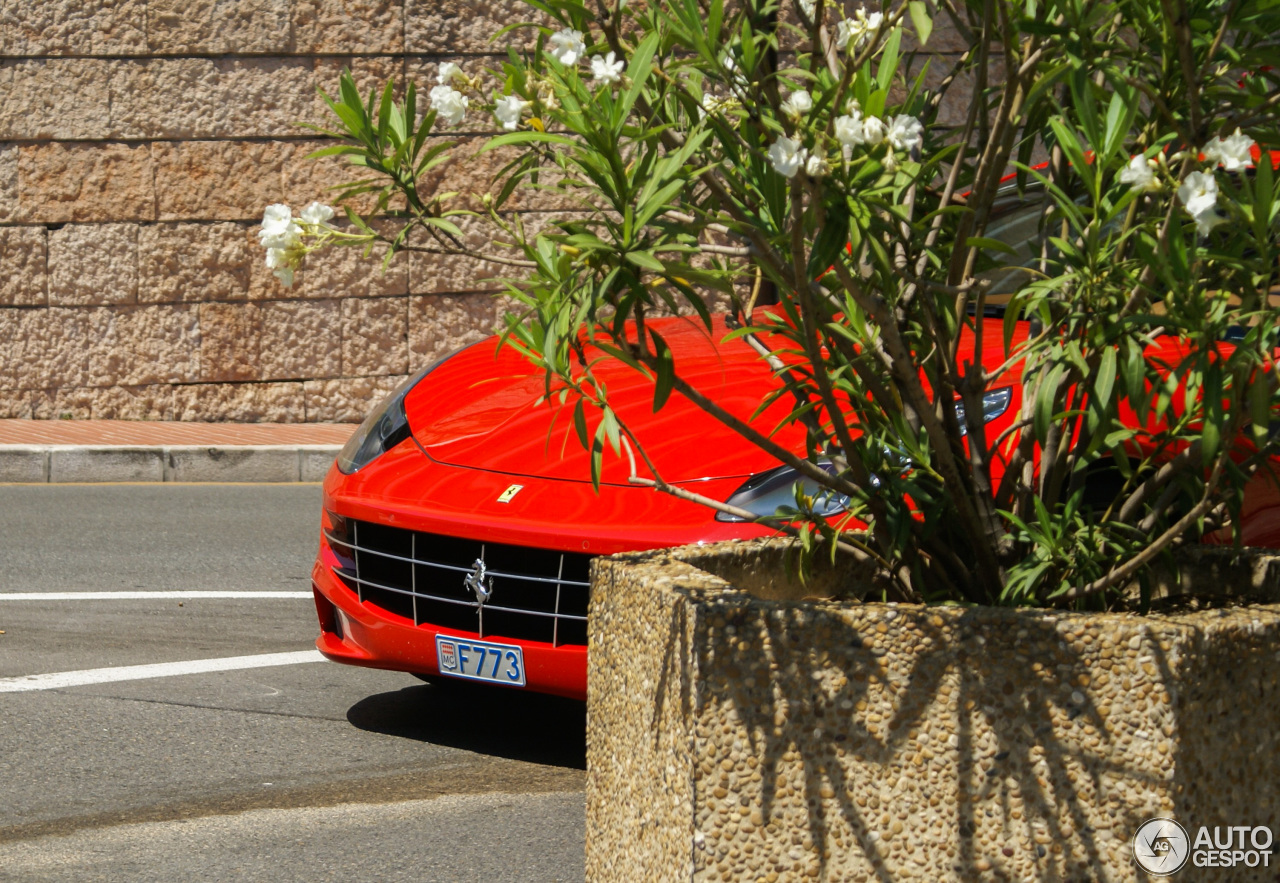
(307, 771)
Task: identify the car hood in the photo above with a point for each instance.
(481, 409)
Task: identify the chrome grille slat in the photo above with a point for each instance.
(494, 607)
(414, 560)
(538, 594)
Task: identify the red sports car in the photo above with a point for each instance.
(460, 519)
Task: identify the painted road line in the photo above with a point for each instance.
(61, 679)
(144, 596)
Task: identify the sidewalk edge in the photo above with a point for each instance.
(79, 464)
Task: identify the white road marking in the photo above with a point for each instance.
(58, 680)
(142, 596)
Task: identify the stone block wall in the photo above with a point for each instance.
(140, 141)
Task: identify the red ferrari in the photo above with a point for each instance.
(460, 519)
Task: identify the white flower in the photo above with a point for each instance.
(448, 73)
(809, 7)
(1138, 174)
(316, 214)
(852, 32)
(567, 46)
(1199, 194)
(852, 129)
(873, 131)
(1232, 152)
(849, 129)
(817, 166)
(735, 75)
(905, 133)
(508, 111)
(606, 69)
(786, 157)
(279, 229)
(282, 264)
(797, 104)
(449, 104)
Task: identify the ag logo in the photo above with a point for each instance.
(1161, 847)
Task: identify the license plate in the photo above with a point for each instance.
(480, 660)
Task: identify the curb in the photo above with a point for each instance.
(68, 464)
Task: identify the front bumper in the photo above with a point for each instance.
(360, 634)
(405, 489)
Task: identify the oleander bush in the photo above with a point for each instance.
(1106, 174)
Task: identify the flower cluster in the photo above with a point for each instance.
(851, 33)
(797, 104)
(1198, 192)
(1233, 153)
(282, 236)
(567, 46)
(1199, 195)
(902, 132)
(1140, 174)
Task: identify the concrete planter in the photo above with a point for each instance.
(731, 737)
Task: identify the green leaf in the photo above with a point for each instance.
(645, 260)
(443, 224)
(889, 60)
(832, 239)
(1120, 113)
(337, 150)
(1211, 431)
(666, 372)
(921, 19)
(1046, 397)
(609, 430)
(638, 73)
(656, 203)
(524, 138)
(597, 465)
(1106, 378)
(991, 245)
(1260, 409)
(580, 423)
(384, 110)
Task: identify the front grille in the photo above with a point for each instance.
(535, 594)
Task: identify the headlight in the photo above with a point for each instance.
(765, 493)
(386, 426)
(994, 403)
(768, 491)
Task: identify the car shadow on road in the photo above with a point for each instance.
(487, 720)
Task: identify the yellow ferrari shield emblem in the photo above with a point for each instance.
(509, 494)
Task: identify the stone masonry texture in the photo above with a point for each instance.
(140, 141)
(731, 737)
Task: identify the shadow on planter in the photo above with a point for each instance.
(736, 738)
